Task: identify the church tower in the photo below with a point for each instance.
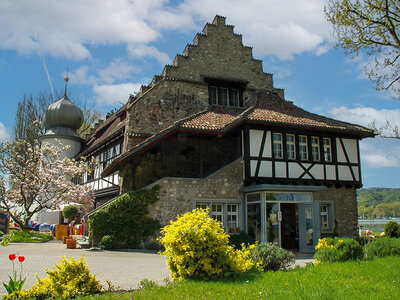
(61, 120)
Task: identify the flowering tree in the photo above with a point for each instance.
(37, 179)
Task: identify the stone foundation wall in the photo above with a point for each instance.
(345, 209)
(177, 194)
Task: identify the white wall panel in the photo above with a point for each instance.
(351, 149)
(344, 173)
(295, 170)
(339, 150)
(280, 169)
(255, 137)
(330, 172)
(265, 169)
(267, 152)
(355, 172)
(253, 166)
(317, 171)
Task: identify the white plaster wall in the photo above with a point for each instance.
(73, 146)
(351, 149)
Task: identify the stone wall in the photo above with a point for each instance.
(180, 91)
(168, 101)
(177, 194)
(345, 209)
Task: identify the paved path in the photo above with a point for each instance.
(125, 269)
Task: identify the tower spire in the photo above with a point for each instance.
(66, 79)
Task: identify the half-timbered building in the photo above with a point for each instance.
(212, 131)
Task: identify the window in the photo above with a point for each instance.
(232, 218)
(277, 141)
(326, 217)
(224, 97)
(315, 148)
(303, 147)
(213, 94)
(106, 157)
(217, 212)
(290, 146)
(202, 205)
(327, 149)
(234, 101)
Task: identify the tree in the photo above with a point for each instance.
(38, 179)
(370, 26)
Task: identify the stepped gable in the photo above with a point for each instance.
(218, 51)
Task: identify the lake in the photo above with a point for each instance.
(375, 224)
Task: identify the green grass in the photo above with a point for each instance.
(25, 236)
(378, 279)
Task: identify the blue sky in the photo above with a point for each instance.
(112, 47)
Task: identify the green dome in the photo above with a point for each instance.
(63, 114)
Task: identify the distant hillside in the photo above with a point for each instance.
(378, 202)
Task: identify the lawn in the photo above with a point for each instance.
(378, 279)
(25, 236)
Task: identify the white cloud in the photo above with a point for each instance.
(273, 27)
(4, 133)
(109, 94)
(70, 28)
(141, 51)
(380, 153)
(367, 116)
(66, 28)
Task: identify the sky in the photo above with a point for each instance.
(111, 48)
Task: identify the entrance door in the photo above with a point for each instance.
(309, 226)
(272, 222)
(289, 226)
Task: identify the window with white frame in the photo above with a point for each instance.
(217, 212)
(327, 149)
(291, 146)
(224, 97)
(232, 215)
(213, 94)
(315, 148)
(326, 217)
(277, 144)
(303, 147)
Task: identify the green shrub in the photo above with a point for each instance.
(70, 212)
(272, 257)
(382, 247)
(392, 229)
(237, 240)
(69, 279)
(126, 218)
(196, 246)
(108, 242)
(338, 249)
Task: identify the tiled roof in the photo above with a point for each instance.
(266, 109)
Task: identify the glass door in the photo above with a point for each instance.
(309, 227)
(273, 222)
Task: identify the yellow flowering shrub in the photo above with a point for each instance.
(68, 279)
(337, 249)
(196, 246)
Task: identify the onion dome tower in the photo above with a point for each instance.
(61, 120)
